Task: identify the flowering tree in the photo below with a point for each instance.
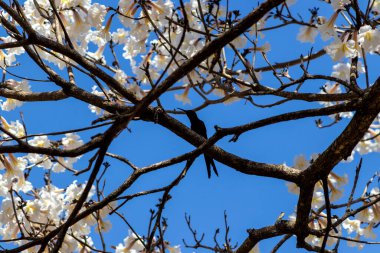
(137, 61)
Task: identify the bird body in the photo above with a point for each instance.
(199, 127)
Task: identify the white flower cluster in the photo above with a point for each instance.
(363, 223)
(135, 44)
(149, 53)
(14, 167)
(10, 104)
(134, 243)
(60, 164)
(47, 209)
(81, 20)
(361, 226)
(335, 183)
(320, 223)
(35, 212)
(371, 139)
(345, 44)
(342, 72)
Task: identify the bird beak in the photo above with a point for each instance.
(182, 110)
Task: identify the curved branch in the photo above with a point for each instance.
(256, 235)
(33, 96)
(242, 165)
(287, 64)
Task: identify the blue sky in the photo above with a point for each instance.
(250, 201)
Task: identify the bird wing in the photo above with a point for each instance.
(201, 129)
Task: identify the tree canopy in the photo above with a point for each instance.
(96, 145)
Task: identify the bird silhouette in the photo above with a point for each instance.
(199, 127)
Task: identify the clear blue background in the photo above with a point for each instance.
(250, 201)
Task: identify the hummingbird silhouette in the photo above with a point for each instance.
(199, 127)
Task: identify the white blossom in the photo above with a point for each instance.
(352, 226)
(343, 70)
(15, 128)
(338, 50)
(131, 244)
(307, 34)
(369, 38)
(10, 103)
(327, 29)
(339, 4)
(71, 141)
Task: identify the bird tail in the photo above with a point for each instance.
(214, 168)
(210, 162)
